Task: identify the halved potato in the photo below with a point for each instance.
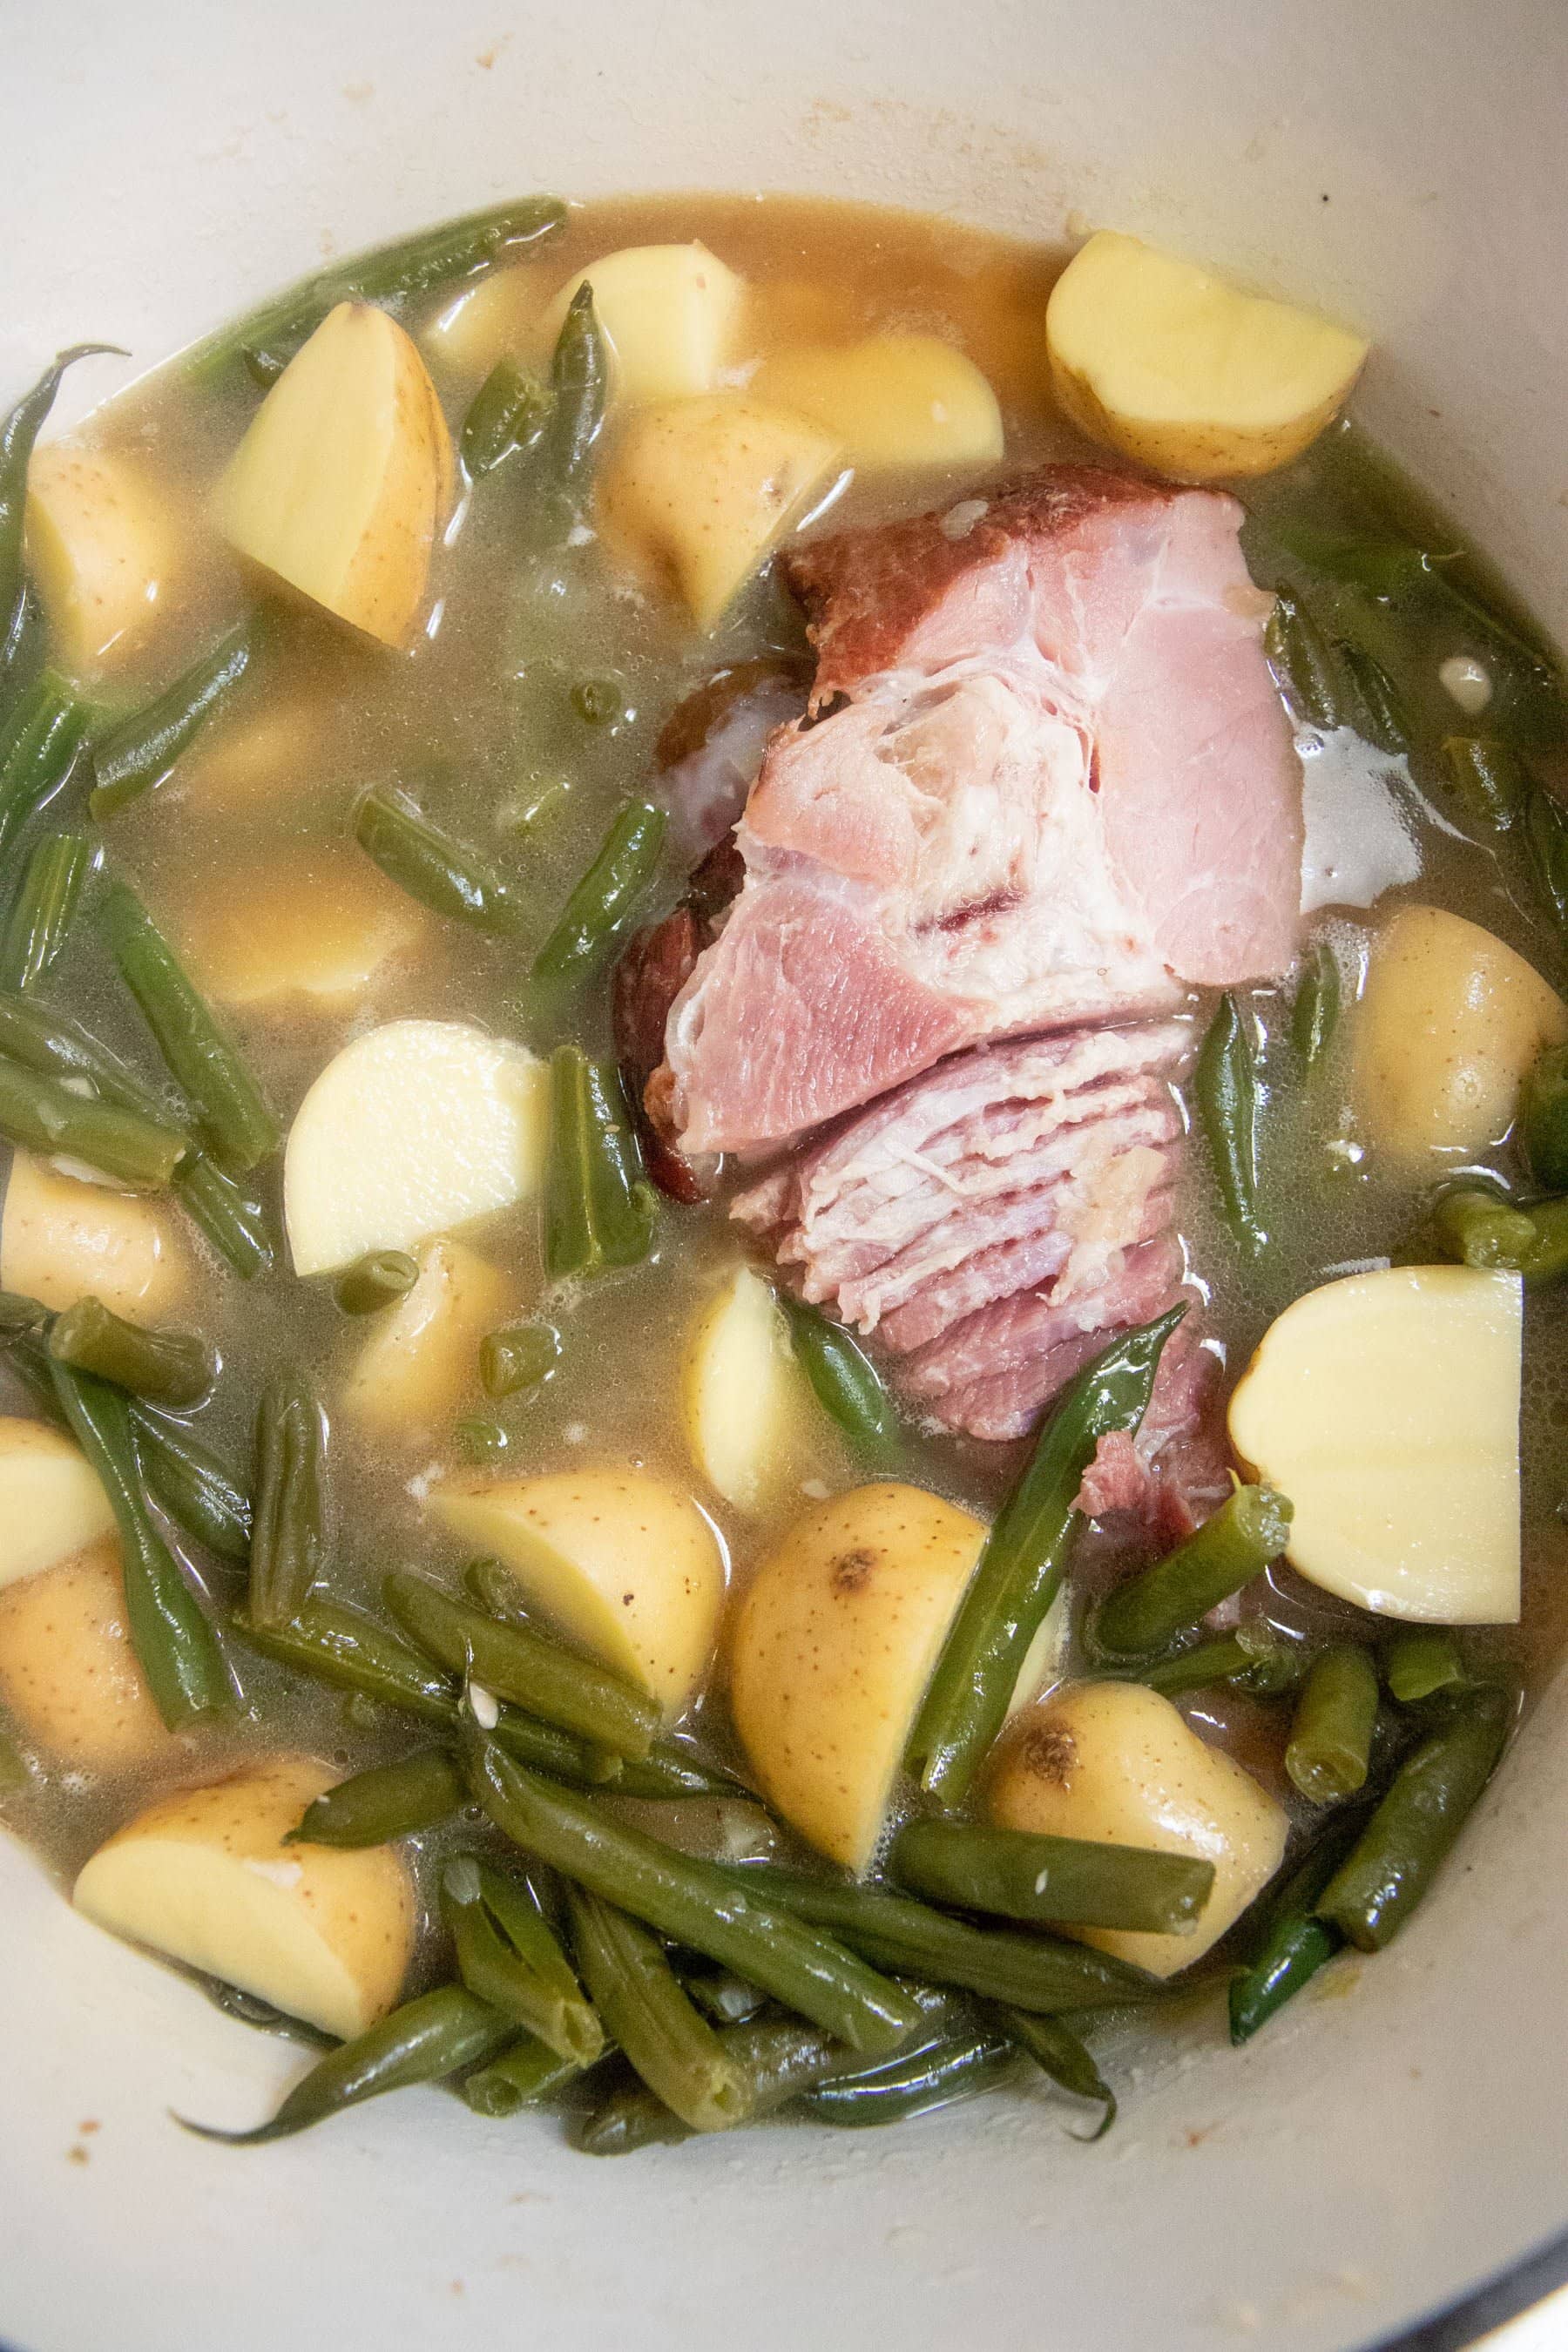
(699, 490)
(1155, 357)
(69, 1675)
(836, 1641)
(1386, 1406)
(422, 1356)
(324, 1934)
(622, 1561)
(61, 1240)
(890, 401)
(103, 547)
(742, 1389)
(669, 313)
(345, 475)
(51, 1501)
(1118, 1764)
(317, 939)
(496, 317)
(414, 1128)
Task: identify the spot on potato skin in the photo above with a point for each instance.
(1049, 1753)
(851, 1571)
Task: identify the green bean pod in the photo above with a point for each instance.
(519, 1359)
(1329, 1754)
(24, 634)
(1385, 566)
(1020, 1568)
(844, 1381)
(624, 865)
(599, 1209)
(288, 1540)
(561, 460)
(953, 2066)
(231, 1216)
(727, 1998)
(201, 1058)
(528, 1978)
(1252, 1656)
(1543, 1120)
(1302, 660)
(1058, 2052)
(1488, 778)
(1225, 1086)
(52, 1042)
(43, 1115)
(778, 2057)
(523, 2075)
(444, 873)
(1479, 1229)
(175, 1369)
(1294, 1943)
(344, 1647)
(385, 1803)
(377, 1281)
(1145, 1614)
(142, 749)
(1546, 837)
(1315, 1013)
(16, 1773)
(19, 436)
(1055, 1881)
(40, 741)
(1377, 710)
(1420, 1661)
(199, 1493)
(508, 412)
(45, 908)
(636, 1992)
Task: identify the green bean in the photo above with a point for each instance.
(675, 2050)
(1145, 1614)
(555, 1684)
(18, 434)
(1225, 1084)
(24, 635)
(1251, 1655)
(844, 1381)
(21, 1317)
(175, 1369)
(694, 1904)
(267, 339)
(624, 865)
(175, 1646)
(142, 749)
(199, 1493)
(1058, 1881)
(1377, 712)
(599, 702)
(1058, 2052)
(522, 1356)
(508, 412)
(1543, 1120)
(348, 1649)
(1404, 1845)
(521, 2077)
(725, 1827)
(1481, 1229)
(445, 875)
(1386, 566)
(385, 1803)
(15, 1772)
(200, 1057)
(561, 460)
(288, 1540)
(232, 1219)
(43, 1115)
(1020, 1568)
(1330, 1749)
(45, 908)
(1294, 1943)
(1488, 778)
(529, 1980)
(1546, 837)
(40, 741)
(778, 2057)
(479, 1440)
(1314, 1015)
(727, 1998)
(599, 1209)
(1302, 660)
(377, 1280)
(1420, 1662)
(955, 2065)
(52, 1044)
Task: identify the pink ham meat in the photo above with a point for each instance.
(1046, 781)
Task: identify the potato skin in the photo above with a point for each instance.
(68, 1677)
(102, 550)
(421, 1358)
(61, 1239)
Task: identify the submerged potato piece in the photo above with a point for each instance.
(623, 1562)
(1450, 1023)
(836, 1639)
(740, 1390)
(51, 1503)
(1386, 1406)
(271, 749)
(345, 475)
(317, 939)
(1118, 1764)
(102, 549)
(1154, 357)
(69, 1675)
(890, 401)
(414, 1128)
(61, 1240)
(700, 489)
(489, 320)
(205, 1877)
(422, 1356)
(669, 313)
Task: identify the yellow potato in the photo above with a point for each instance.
(699, 490)
(1117, 1763)
(625, 1563)
(741, 1391)
(318, 939)
(102, 550)
(51, 1503)
(1154, 357)
(836, 1641)
(277, 748)
(668, 312)
(205, 1877)
(422, 1356)
(1448, 1026)
(890, 401)
(1386, 1406)
(344, 477)
(68, 1677)
(493, 318)
(61, 1240)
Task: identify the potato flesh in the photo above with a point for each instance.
(414, 1128)
(669, 313)
(836, 1641)
(1156, 358)
(68, 1677)
(891, 402)
(103, 551)
(1449, 1022)
(316, 939)
(741, 1391)
(421, 1358)
(51, 1502)
(1118, 1764)
(61, 1240)
(275, 750)
(492, 319)
(1386, 1406)
(204, 1877)
(344, 477)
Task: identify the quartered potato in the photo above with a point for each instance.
(421, 1358)
(742, 1390)
(51, 1503)
(669, 312)
(103, 551)
(891, 401)
(345, 475)
(492, 318)
(318, 940)
(205, 1877)
(69, 1675)
(1160, 360)
(1386, 1406)
(61, 1240)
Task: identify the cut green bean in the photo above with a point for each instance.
(1488, 778)
(624, 865)
(1330, 1750)
(175, 1369)
(1405, 1842)
(1481, 1229)
(1377, 710)
(175, 1646)
(1020, 1568)
(1225, 1086)
(600, 701)
(1253, 1656)
(288, 1541)
(727, 1998)
(1302, 660)
(348, 1649)
(956, 2065)
(24, 634)
(19, 435)
(143, 748)
(1294, 1943)
(1314, 1015)
(1145, 1614)
(779, 2057)
(43, 1115)
(524, 1974)
(229, 1214)
(1057, 1881)
(519, 1359)
(16, 1773)
(844, 1381)
(40, 741)
(45, 908)
(377, 1281)
(52, 1044)
(1058, 2052)
(1386, 566)
(636, 1992)
(508, 413)
(523, 2077)
(444, 873)
(1420, 1662)
(560, 465)
(1543, 1120)
(385, 1801)
(199, 1493)
(200, 1055)
(1546, 838)
(599, 1209)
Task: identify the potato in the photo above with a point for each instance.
(69, 1675)
(317, 940)
(345, 475)
(61, 1240)
(741, 1391)
(102, 550)
(668, 312)
(1448, 1026)
(51, 1503)
(1117, 1763)
(490, 319)
(1386, 1406)
(278, 748)
(413, 1128)
(623, 1562)
(205, 1877)
(699, 490)
(890, 401)
(422, 1356)
(836, 1641)
(1156, 357)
